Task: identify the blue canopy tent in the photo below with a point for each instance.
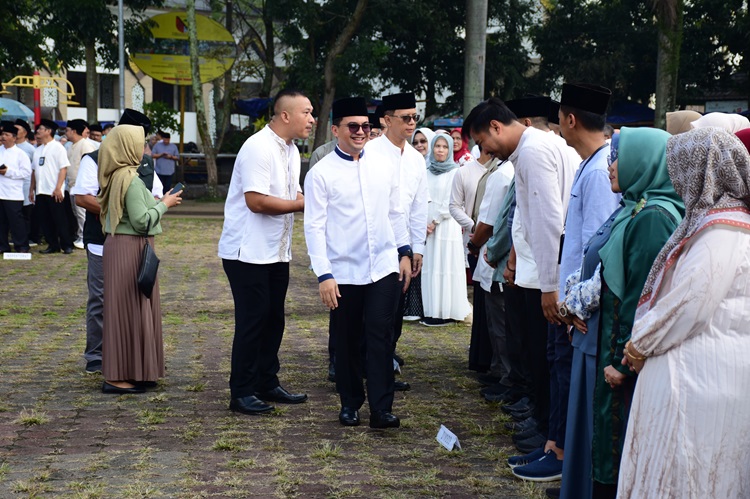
(14, 110)
(254, 108)
(630, 113)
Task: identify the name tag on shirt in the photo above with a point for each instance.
(41, 161)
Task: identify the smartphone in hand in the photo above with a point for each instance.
(177, 188)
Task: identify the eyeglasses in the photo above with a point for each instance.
(408, 118)
(423, 141)
(354, 127)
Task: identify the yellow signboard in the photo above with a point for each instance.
(167, 57)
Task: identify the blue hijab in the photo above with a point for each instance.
(440, 167)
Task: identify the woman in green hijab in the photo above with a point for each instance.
(606, 299)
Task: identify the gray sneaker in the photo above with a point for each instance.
(94, 366)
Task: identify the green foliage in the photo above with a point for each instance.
(162, 116)
(20, 42)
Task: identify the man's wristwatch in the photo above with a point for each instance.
(564, 312)
(404, 253)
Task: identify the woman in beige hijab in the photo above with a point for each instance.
(132, 349)
(679, 121)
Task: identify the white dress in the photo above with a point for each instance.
(689, 425)
(443, 271)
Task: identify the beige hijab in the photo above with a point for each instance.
(119, 158)
(679, 121)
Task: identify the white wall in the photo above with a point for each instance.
(191, 127)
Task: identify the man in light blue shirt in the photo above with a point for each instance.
(165, 155)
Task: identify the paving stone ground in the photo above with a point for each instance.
(61, 437)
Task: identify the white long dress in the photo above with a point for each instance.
(689, 425)
(443, 271)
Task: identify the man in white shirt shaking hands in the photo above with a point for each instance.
(359, 249)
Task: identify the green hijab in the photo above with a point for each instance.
(642, 175)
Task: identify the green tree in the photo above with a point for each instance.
(86, 31)
(20, 43)
(162, 116)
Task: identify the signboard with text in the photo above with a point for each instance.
(167, 57)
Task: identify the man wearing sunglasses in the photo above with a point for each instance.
(353, 238)
(393, 148)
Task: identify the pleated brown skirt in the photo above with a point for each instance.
(132, 347)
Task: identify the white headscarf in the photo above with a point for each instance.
(428, 134)
(732, 123)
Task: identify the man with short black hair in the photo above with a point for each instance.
(544, 173)
(50, 165)
(95, 132)
(166, 155)
(353, 236)
(75, 131)
(15, 167)
(255, 248)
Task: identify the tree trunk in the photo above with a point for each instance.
(209, 150)
(223, 93)
(669, 15)
(92, 84)
(270, 62)
(474, 54)
(328, 72)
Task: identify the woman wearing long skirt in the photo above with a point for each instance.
(687, 434)
(132, 349)
(443, 275)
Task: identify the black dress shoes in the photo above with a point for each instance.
(520, 416)
(281, 396)
(384, 419)
(68, 251)
(331, 372)
(401, 386)
(49, 250)
(520, 406)
(349, 416)
(112, 389)
(531, 444)
(249, 405)
(522, 425)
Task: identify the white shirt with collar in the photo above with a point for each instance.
(412, 179)
(266, 164)
(48, 160)
(26, 147)
(495, 190)
(18, 169)
(352, 234)
(545, 169)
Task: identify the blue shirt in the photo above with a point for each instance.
(591, 203)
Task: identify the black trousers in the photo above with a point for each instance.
(31, 214)
(259, 292)
(519, 375)
(365, 314)
(534, 327)
(480, 348)
(560, 360)
(398, 316)
(54, 220)
(11, 219)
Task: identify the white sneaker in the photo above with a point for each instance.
(78, 243)
(411, 317)
(32, 244)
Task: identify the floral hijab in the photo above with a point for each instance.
(710, 169)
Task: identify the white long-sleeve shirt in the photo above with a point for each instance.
(18, 170)
(545, 169)
(412, 178)
(354, 223)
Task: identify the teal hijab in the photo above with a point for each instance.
(440, 167)
(644, 181)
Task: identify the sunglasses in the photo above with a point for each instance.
(423, 141)
(354, 127)
(408, 118)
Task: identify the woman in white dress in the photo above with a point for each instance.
(690, 419)
(443, 272)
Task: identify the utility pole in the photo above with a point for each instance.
(474, 53)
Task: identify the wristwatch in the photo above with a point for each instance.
(563, 310)
(404, 253)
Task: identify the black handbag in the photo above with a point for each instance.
(149, 266)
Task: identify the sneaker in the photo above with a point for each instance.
(432, 322)
(32, 244)
(411, 318)
(545, 469)
(78, 243)
(525, 459)
(530, 445)
(94, 366)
